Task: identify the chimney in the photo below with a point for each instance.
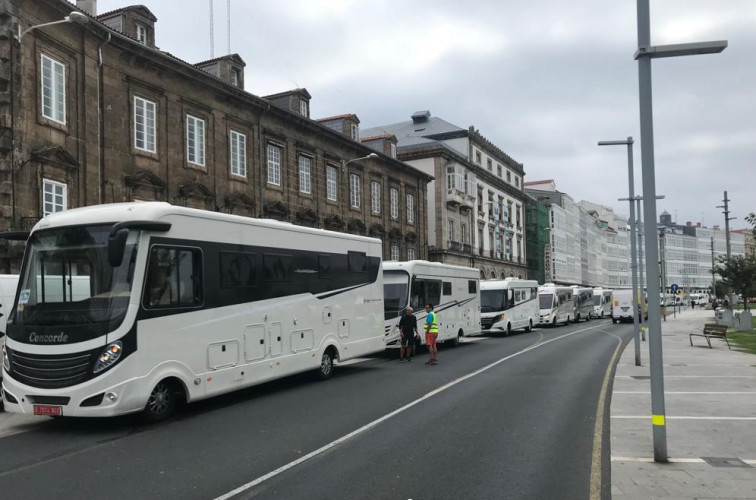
(689, 224)
(420, 116)
(88, 6)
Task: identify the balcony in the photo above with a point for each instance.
(454, 246)
(466, 248)
(456, 198)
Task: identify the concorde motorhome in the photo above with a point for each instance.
(509, 304)
(453, 291)
(602, 303)
(556, 305)
(182, 304)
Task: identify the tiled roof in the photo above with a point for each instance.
(337, 117)
(129, 7)
(289, 92)
(376, 137)
(544, 181)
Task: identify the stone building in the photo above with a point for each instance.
(476, 204)
(91, 112)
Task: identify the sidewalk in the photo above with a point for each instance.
(710, 402)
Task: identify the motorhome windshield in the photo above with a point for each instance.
(395, 290)
(545, 300)
(67, 280)
(493, 300)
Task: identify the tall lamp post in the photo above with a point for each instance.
(633, 255)
(643, 55)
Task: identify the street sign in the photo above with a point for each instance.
(673, 288)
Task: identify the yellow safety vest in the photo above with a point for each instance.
(433, 325)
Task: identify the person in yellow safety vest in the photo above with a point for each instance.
(431, 334)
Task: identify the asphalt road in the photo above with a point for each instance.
(498, 417)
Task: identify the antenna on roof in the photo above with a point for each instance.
(212, 37)
(228, 18)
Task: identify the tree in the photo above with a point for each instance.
(739, 275)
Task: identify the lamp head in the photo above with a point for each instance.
(77, 17)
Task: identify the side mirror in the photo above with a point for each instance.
(116, 246)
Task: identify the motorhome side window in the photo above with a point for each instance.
(324, 266)
(447, 289)
(425, 292)
(238, 269)
(472, 286)
(174, 278)
(357, 262)
(278, 267)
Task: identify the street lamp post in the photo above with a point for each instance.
(73, 17)
(644, 55)
(633, 255)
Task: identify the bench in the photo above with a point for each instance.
(710, 331)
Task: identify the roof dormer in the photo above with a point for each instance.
(385, 143)
(228, 68)
(136, 22)
(347, 124)
(297, 101)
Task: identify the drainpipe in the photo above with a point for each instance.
(262, 161)
(100, 123)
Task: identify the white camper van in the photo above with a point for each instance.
(583, 302)
(602, 303)
(181, 304)
(623, 305)
(508, 304)
(556, 304)
(452, 290)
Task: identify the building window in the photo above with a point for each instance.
(394, 252)
(354, 190)
(274, 165)
(238, 153)
(375, 197)
(509, 176)
(411, 208)
(55, 197)
(392, 148)
(235, 77)
(355, 132)
(451, 230)
(195, 140)
(53, 90)
(498, 170)
(489, 164)
(141, 34)
(394, 194)
(303, 108)
(144, 124)
(304, 174)
(463, 232)
(331, 182)
(410, 254)
(517, 181)
(477, 157)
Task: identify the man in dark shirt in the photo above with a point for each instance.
(408, 332)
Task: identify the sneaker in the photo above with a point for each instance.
(409, 359)
(429, 362)
(434, 362)
(402, 360)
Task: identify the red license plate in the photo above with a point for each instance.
(53, 411)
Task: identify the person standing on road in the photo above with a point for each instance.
(431, 334)
(408, 332)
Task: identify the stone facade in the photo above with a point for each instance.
(277, 166)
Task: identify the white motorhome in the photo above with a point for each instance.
(181, 304)
(602, 303)
(8, 284)
(556, 304)
(623, 305)
(452, 290)
(583, 302)
(509, 304)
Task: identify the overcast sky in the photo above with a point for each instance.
(543, 79)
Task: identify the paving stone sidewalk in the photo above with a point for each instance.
(710, 402)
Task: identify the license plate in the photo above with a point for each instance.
(53, 411)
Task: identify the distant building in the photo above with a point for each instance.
(96, 113)
(476, 203)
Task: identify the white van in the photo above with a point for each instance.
(602, 303)
(508, 304)
(622, 305)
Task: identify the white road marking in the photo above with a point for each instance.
(668, 417)
(382, 419)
